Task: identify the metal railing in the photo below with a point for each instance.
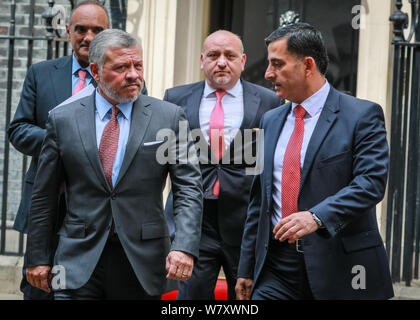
(403, 207)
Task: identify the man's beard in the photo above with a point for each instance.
(112, 94)
(222, 80)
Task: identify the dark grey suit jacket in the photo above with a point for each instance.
(47, 84)
(70, 154)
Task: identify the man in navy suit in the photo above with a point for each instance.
(225, 182)
(47, 84)
(311, 230)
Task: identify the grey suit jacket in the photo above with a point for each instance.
(70, 154)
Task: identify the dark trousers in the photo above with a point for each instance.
(112, 279)
(283, 276)
(213, 255)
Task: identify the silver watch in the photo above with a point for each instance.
(318, 222)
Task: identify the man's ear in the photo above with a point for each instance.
(68, 32)
(95, 71)
(310, 65)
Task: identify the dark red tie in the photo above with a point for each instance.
(109, 144)
(217, 139)
(290, 178)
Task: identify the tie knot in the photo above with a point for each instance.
(115, 111)
(299, 112)
(220, 94)
(82, 74)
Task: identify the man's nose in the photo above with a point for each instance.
(221, 61)
(269, 73)
(132, 73)
(89, 36)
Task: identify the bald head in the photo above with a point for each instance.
(224, 35)
(222, 59)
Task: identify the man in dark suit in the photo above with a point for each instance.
(311, 230)
(114, 239)
(225, 182)
(47, 84)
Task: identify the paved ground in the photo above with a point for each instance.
(5, 296)
(401, 292)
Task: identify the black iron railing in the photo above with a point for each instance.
(403, 207)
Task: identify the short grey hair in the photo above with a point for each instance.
(114, 38)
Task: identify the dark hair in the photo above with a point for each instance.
(304, 41)
(85, 2)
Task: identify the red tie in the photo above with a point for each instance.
(81, 84)
(290, 179)
(217, 139)
(109, 144)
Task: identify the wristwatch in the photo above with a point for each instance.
(318, 222)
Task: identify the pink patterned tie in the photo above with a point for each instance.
(290, 178)
(81, 84)
(216, 127)
(109, 144)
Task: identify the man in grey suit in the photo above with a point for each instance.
(114, 239)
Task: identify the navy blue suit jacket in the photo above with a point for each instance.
(343, 178)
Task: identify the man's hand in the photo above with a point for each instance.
(243, 288)
(295, 226)
(40, 277)
(179, 265)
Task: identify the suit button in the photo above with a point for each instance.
(113, 196)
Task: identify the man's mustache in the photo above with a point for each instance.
(129, 83)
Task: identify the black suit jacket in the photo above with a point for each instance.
(343, 178)
(235, 185)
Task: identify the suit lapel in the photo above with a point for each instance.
(87, 131)
(61, 79)
(192, 106)
(326, 120)
(140, 118)
(251, 106)
(271, 136)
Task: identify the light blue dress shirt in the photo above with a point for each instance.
(75, 76)
(102, 116)
(313, 106)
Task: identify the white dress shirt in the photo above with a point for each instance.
(313, 106)
(233, 107)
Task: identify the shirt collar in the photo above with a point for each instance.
(235, 91)
(103, 106)
(76, 66)
(314, 104)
